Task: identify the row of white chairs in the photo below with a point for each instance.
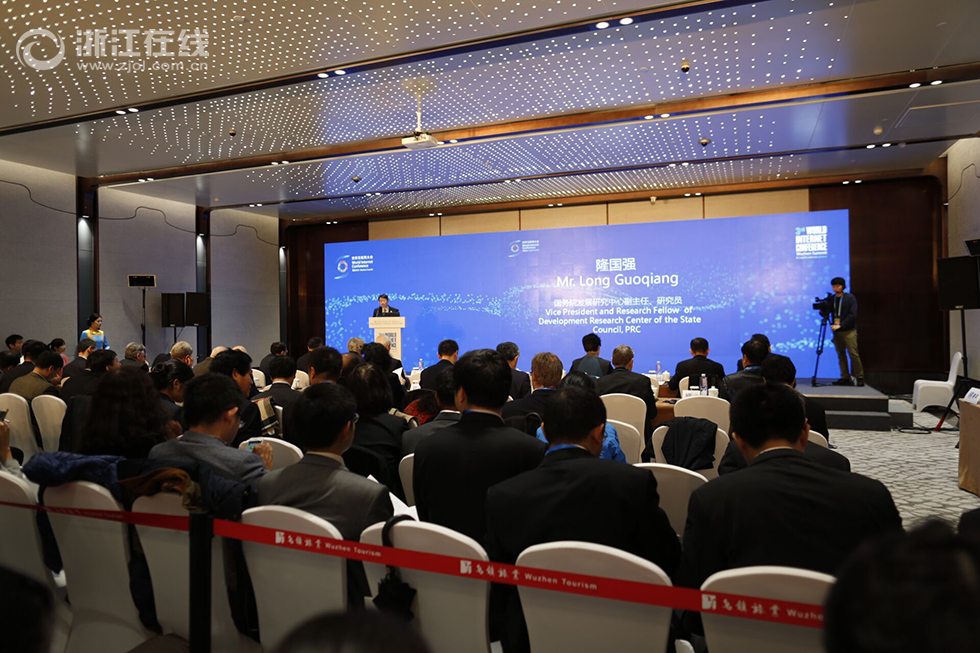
(292, 586)
(49, 412)
(301, 381)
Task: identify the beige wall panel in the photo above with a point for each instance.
(412, 228)
(964, 224)
(481, 223)
(682, 208)
(588, 215)
(795, 200)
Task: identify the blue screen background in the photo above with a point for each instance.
(738, 275)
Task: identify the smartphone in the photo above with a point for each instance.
(252, 445)
(3, 415)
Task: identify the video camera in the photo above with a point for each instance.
(825, 305)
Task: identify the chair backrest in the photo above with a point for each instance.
(713, 408)
(284, 453)
(50, 413)
(675, 486)
(406, 471)
(558, 622)
(21, 429)
(684, 384)
(302, 380)
(279, 412)
(819, 438)
(735, 635)
(450, 612)
(626, 408)
(630, 440)
(954, 367)
(721, 443)
(95, 555)
(292, 586)
(259, 377)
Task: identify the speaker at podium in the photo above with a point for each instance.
(392, 328)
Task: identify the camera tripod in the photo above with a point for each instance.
(821, 337)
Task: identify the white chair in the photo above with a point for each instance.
(284, 453)
(20, 550)
(712, 408)
(406, 470)
(735, 635)
(301, 381)
(95, 554)
(279, 412)
(721, 443)
(168, 556)
(259, 377)
(936, 393)
(675, 486)
(558, 622)
(450, 612)
(630, 440)
(684, 384)
(292, 586)
(819, 438)
(626, 408)
(21, 429)
(50, 413)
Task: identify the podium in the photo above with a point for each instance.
(391, 327)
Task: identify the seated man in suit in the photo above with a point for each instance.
(282, 373)
(238, 366)
(448, 415)
(303, 362)
(212, 410)
(520, 382)
(591, 364)
(83, 350)
(204, 366)
(624, 380)
(276, 350)
(99, 362)
(135, 356)
(394, 363)
(455, 467)
(184, 352)
(32, 349)
(784, 508)
(320, 483)
(448, 355)
(698, 364)
(8, 361)
(572, 495)
(545, 376)
(325, 364)
(753, 353)
(383, 309)
(42, 380)
(355, 345)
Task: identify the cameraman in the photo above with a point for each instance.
(845, 333)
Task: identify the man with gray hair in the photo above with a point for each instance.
(135, 356)
(183, 352)
(204, 366)
(624, 380)
(355, 345)
(396, 364)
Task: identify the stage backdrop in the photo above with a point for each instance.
(651, 286)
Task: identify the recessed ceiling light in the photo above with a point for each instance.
(886, 144)
(686, 163)
(915, 85)
(648, 117)
(857, 181)
(698, 194)
(142, 180)
(149, 178)
(687, 194)
(432, 215)
(626, 21)
(340, 72)
(275, 163)
(846, 183)
(453, 140)
(672, 165)
(665, 115)
(258, 205)
(284, 162)
(121, 112)
(602, 25)
(936, 83)
(559, 205)
(551, 205)
(134, 109)
(322, 75)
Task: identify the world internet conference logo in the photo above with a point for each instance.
(32, 37)
(343, 266)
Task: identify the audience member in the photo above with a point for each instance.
(696, 365)
(183, 352)
(354, 632)
(394, 364)
(611, 450)
(448, 415)
(783, 508)
(545, 375)
(320, 483)
(204, 367)
(423, 407)
(907, 594)
(764, 339)
(8, 361)
(26, 613)
(520, 382)
(375, 352)
(135, 356)
(377, 430)
(303, 362)
(14, 342)
(780, 369)
(212, 410)
(30, 350)
(455, 467)
(42, 380)
(624, 380)
(753, 353)
(276, 350)
(98, 363)
(448, 353)
(126, 419)
(591, 364)
(325, 366)
(94, 331)
(171, 379)
(238, 366)
(572, 495)
(350, 360)
(58, 346)
(83, 350)
(282, 373)
(8, 464)
(354, 345)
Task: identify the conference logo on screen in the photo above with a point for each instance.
(518, 247)
(811, 242)
(348, 264)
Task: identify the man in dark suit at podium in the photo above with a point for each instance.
(383, 310)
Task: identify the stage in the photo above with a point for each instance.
(860, 409)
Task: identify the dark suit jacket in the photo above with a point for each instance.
(264, 367)
(533, 403)
(251, 423)
(731, 384)
(76, 367)
(382, 434)
(13, 374)
(816, 416)
(412, 437)
(427, 379)
(128, 362)
(281, 394)
(520, 384)
(848, 311)
(80, 384)
(604, 365)
(33, 385)
(455, 467)
(303, 363)
(621, 380)
(783, 509)
(733, 460)
(695, 367)
(203, 367)
(392, 312)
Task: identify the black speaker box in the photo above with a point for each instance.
(172, 309)
(198, 309)
(959, 282)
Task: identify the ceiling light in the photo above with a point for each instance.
(284, 162)
(648, 117)
(339, 72)
(871, 147)
(134, 109)
(275, 163)
(698, 194)
(672, 165)
(142, 180)
(915, 85)
(686, 163)
(551, 205)
(121, 112)
(258, 205)
(602, 25)
(846, 183)
(149, 178)
(252, 205)
(935, 83)
(558, 205)
(687, 194)
(322, 75)
(886, 144)
(626, 21)
(432, 215)
(665, 115)
(857, 181)
(453, 140)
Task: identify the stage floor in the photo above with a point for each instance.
(842, 391)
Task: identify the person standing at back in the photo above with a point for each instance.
(591, 364)
(94, 332)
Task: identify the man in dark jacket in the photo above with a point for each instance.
(545, 376)
(753, 353)
(448, 353)
(624, 380)
(520, 382)
(591, 363)
(844, 327)
(698, 364)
